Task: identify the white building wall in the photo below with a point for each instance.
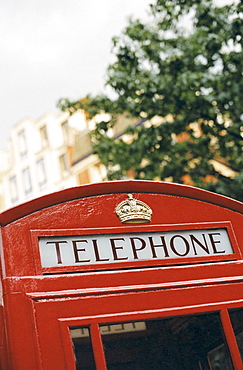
(39, 158)
(33, 163)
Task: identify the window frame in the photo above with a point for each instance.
(93, 323)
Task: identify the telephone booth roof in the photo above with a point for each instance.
(136, 186)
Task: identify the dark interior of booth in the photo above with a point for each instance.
(183, 342)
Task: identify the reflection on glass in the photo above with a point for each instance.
(188, 342)
(236, 317)
(219, 358)
(82, 348)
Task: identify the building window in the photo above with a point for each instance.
(41, 173)
(22, 144)
(13, 190)
(65, 131)
(27, 182)
(44, 136)
(64, 164)
(83, 177)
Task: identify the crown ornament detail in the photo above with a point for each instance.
(133, 211)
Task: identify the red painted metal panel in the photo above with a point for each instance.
(22, 335)
(97, 347)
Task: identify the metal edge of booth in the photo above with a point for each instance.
(112, 187)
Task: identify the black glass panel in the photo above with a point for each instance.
(194, 342)
(188, 342)
(82, 348)
(236, 317)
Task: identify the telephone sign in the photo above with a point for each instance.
(112, 248)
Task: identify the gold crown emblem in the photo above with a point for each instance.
(133, 211)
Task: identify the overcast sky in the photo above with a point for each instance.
(51, 49)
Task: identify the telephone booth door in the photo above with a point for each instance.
(146, 339)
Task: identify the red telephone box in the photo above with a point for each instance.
(123, 275)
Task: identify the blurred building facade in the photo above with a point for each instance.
(45, 155)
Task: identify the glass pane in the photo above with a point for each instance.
(82, 348)
(13, 189)
(22, 143)
(237, 323)
(188, 342)
(41, 173)
(27, 181)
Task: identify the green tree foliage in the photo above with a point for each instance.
(185, 66)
